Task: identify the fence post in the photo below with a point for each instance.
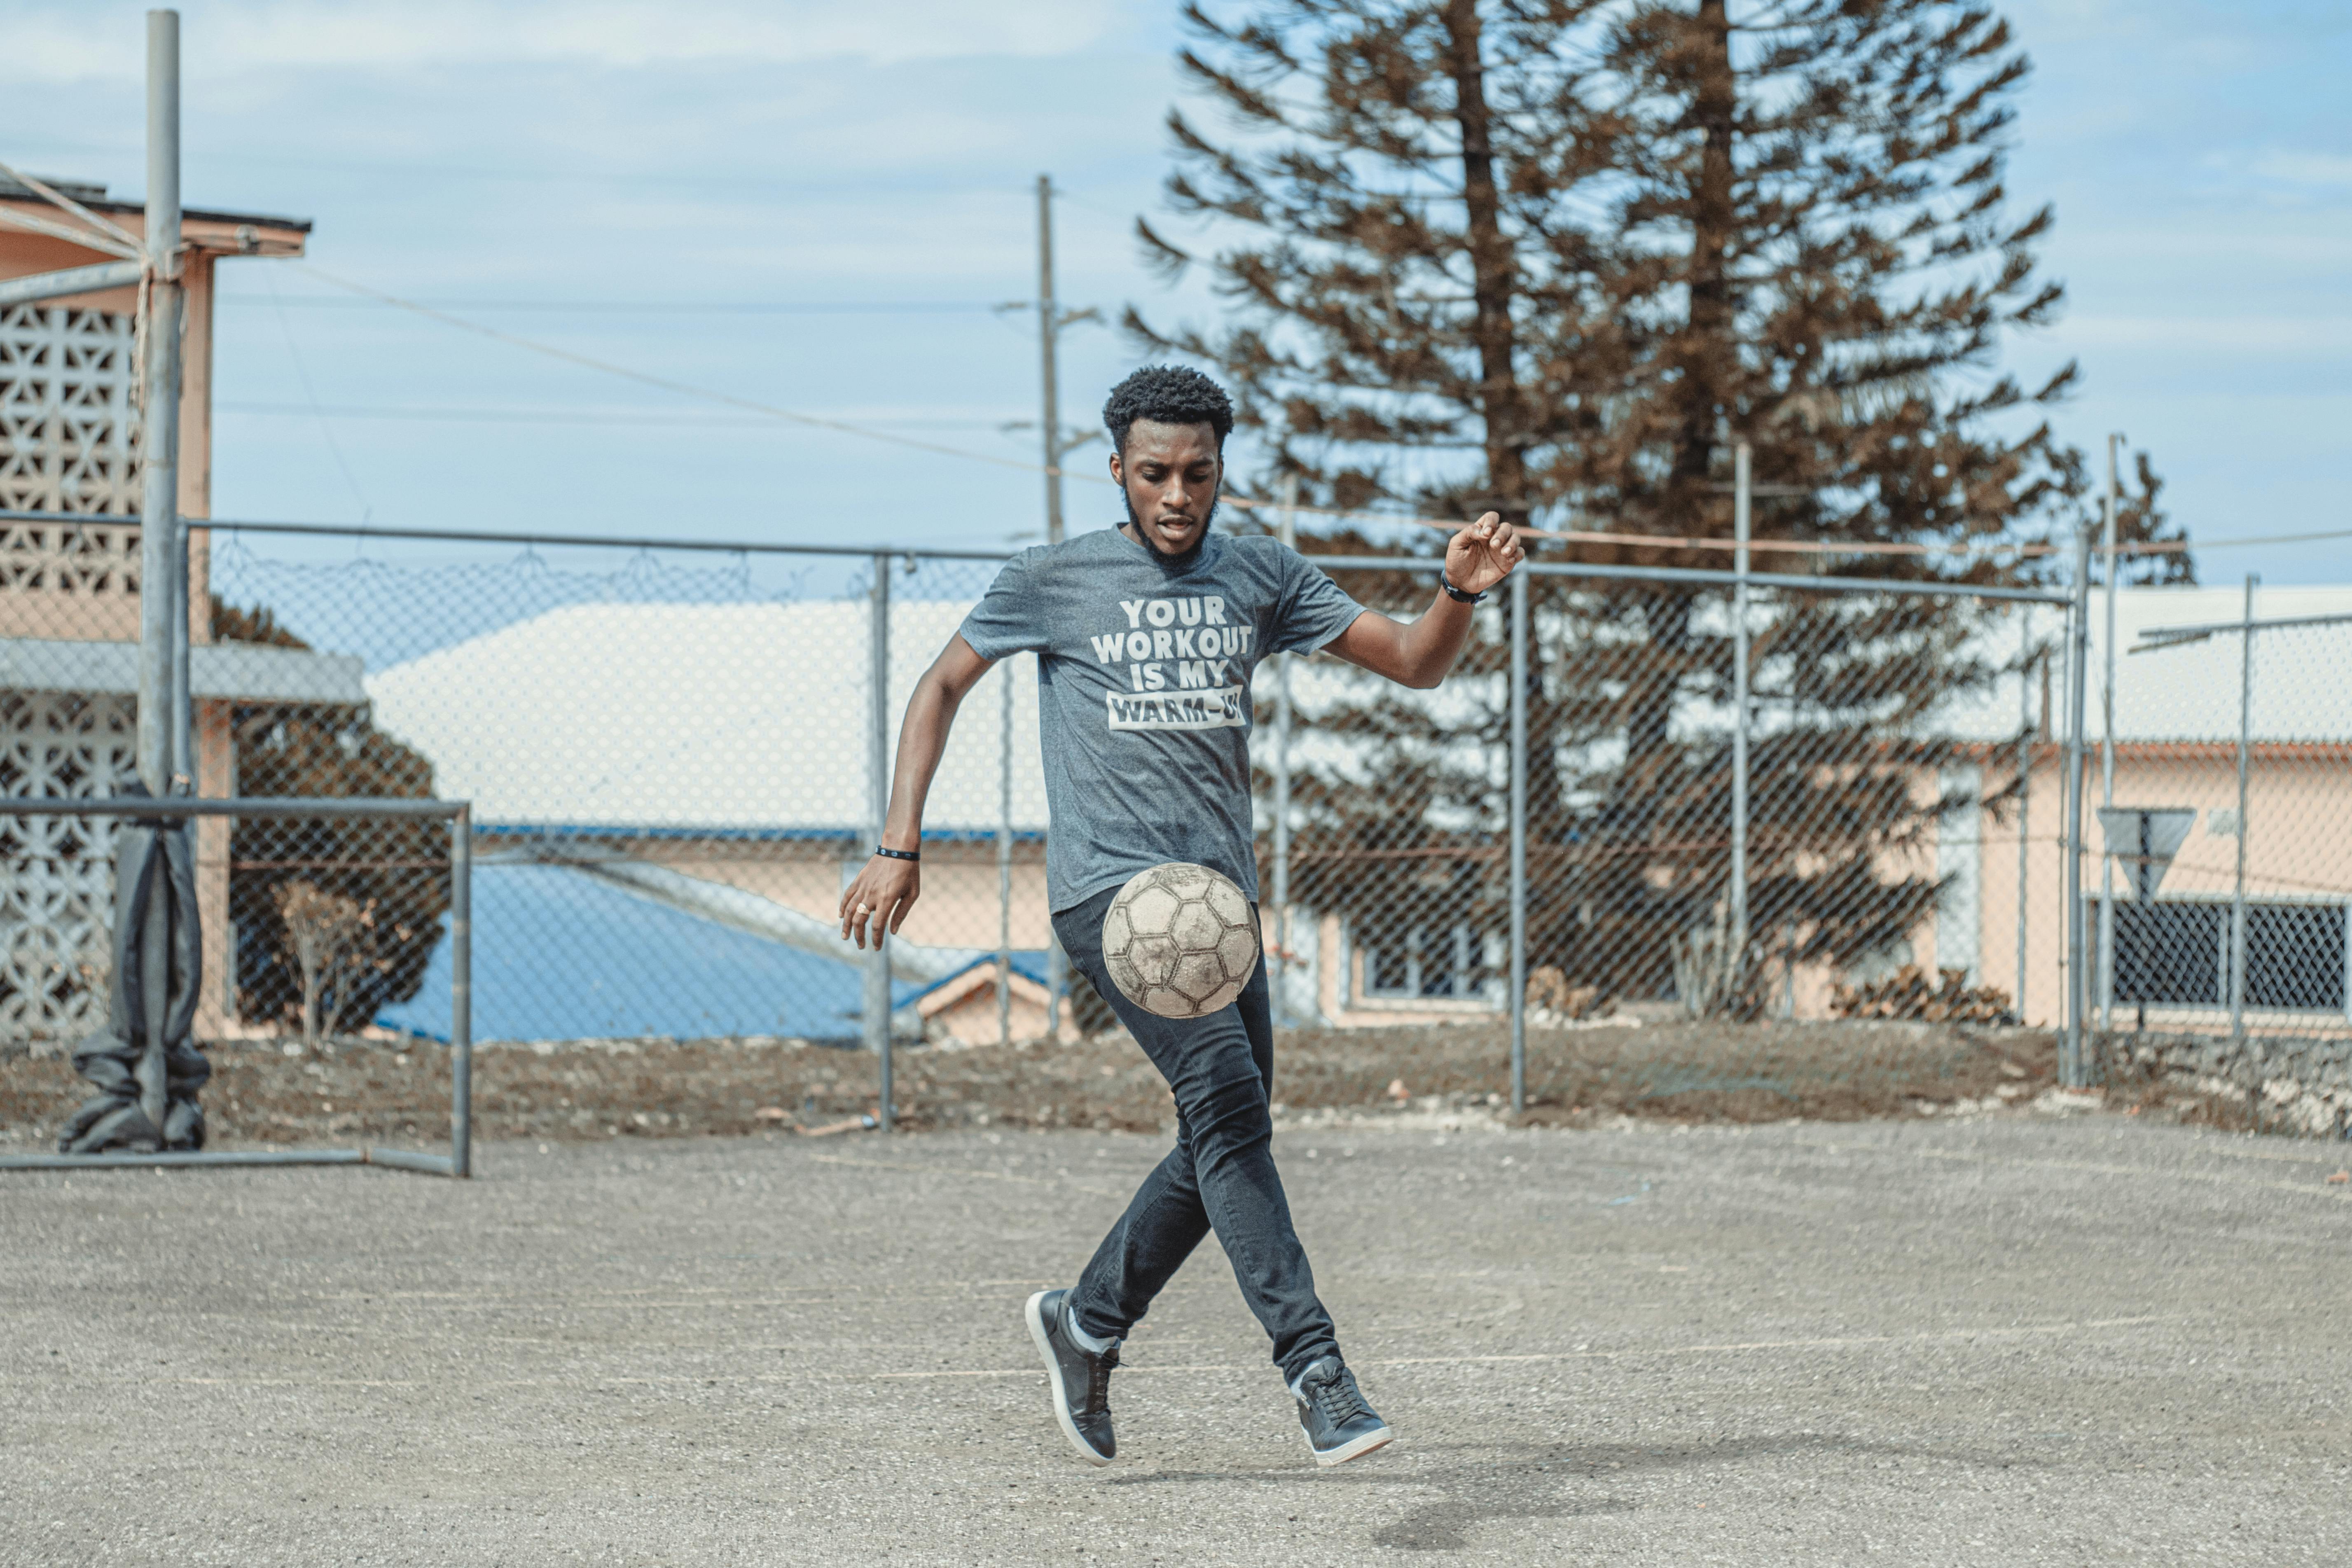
(1005, 858)
(1277, 959)
(2070, 1071)
(1735, 960)
(2238, 892)
(158, 434)
(1519, 636)
(162, 731)
(461, 992)
(2107, 760)
(877, 765)
(2025, 662)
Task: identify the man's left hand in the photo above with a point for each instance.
(1483, 554)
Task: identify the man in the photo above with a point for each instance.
(1146, 635)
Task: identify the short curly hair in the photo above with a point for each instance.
(1166, 394)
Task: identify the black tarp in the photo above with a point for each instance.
(145, 1061)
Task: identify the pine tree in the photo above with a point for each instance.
(2140, 518)
(1557, 259)
(391, 873)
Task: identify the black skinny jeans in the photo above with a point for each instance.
(1218, 1176)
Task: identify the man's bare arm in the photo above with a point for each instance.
(882, 893)
(1421, 653)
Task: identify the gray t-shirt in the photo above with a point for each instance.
(1143, 692)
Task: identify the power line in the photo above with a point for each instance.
(570, 416)
(310, 392)
(684, 389)
(1249, 503)
(568, 173)
(652, 307)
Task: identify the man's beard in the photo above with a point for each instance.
(1143, 536)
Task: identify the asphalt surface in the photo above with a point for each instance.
(1998, 1341)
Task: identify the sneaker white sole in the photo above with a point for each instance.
(1356, 1449)
(1053, 1370)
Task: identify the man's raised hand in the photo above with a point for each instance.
(1482, 555)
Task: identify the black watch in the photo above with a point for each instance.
(1455, 594)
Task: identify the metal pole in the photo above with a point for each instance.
(159, 434)
(1742, 469)
(461, 992)
(2245, 748)
(1005, 858)
(2107, 762)
(877, 774)
(2071, 1071)
(1287, 526)
(1057, 964)
(2024, 794)
(1518, 634)
(162, 731)
(1049, 324)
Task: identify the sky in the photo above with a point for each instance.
(818, 207)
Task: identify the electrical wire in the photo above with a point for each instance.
(558, 416)
(302, 374)
(653, 307)
(2020, 549)
(684, 389)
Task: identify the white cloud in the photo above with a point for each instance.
(85, 42)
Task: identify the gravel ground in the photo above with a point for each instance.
(1999, 1340)
(264, 1093)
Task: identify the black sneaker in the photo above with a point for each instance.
(1081, 1378)
(1338, 1424)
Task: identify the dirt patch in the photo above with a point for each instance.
(368, 1091)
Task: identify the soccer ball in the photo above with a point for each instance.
(1180, 941)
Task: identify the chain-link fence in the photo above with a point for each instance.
(2220, 950)
(360, 891)
(671, 756)
(1856, 853)
(668, 756)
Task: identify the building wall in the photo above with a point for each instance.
(69, 442)
(2298, 845)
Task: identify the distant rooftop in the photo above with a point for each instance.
(95, 197)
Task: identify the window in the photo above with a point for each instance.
(1423, 961)
(2171, 954)
(2176, 952)
(2295, 957)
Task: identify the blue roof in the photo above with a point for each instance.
(1028, 963)
(561, 956)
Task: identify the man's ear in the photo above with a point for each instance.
(1118, 476)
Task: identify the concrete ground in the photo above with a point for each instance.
(2001, 1341)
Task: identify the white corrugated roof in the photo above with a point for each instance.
(2191, 692)
(754, 716)
(741, 716)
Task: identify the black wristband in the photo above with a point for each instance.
(1456, 594)
(897, 853)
